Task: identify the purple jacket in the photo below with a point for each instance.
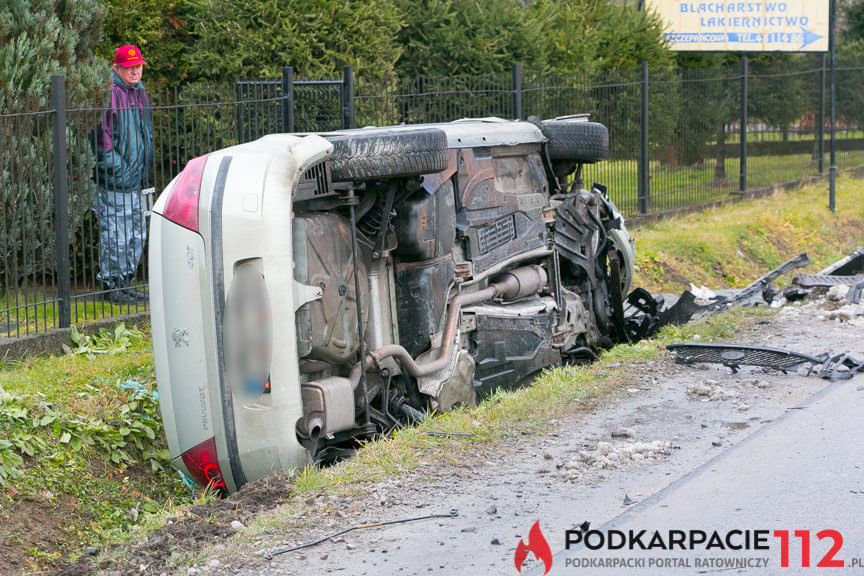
(124, 139)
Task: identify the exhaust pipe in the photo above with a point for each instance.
(518, 283)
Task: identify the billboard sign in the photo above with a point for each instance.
(749, 26)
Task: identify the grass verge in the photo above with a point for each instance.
(82, 454)
(732, 245)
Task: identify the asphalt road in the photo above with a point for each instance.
(803, 471)
(757, 450)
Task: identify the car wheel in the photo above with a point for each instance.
(396, 154)
(576, 140)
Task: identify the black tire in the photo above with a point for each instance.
(576, 140)
(396, 154)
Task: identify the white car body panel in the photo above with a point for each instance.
(264, 174)
(189, 352)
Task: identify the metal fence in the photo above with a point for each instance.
(677, 139)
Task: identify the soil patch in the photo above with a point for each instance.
(185, 532)
(31, 522)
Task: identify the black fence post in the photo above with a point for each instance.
(238, 95)
(288, 99)
(832, 176)
(61, 211)
(348, 120)
(644, 191)
(820, 146)
(745, 72)
(517, 91)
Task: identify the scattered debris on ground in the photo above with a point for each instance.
(844, 277)
(842, 289)
(844, 281)
(333, 537)
(711, 391)
(733, 356)
(611, 455)
(761, 285)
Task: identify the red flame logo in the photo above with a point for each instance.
(536, 544)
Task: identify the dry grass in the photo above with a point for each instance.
(733, 245)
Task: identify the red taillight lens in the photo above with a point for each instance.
(203, 465)
(182, 205)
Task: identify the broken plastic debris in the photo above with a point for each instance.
(702, 293)
(138, 389)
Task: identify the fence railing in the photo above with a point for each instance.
(678, 138)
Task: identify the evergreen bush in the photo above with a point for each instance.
(40, 38)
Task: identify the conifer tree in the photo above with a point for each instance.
(38, 39)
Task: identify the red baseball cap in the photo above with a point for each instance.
(128, 55)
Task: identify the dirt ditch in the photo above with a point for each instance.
(198, 526)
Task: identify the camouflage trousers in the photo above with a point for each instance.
(121, 236)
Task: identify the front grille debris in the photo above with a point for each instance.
(733, 356)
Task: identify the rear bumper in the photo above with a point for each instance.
(184, 343)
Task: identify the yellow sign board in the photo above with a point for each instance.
(748, 26)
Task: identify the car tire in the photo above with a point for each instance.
(576, 140)
(396, 154)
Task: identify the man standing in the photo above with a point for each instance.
(124, 154)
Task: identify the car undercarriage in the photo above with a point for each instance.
(419, 269)
(470, 279)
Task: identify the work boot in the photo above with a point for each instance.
(138, 295)
(119, 296)
(116, 292)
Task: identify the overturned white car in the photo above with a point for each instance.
(311, 290)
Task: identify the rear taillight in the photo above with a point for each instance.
(182, 205)
(203, 466)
